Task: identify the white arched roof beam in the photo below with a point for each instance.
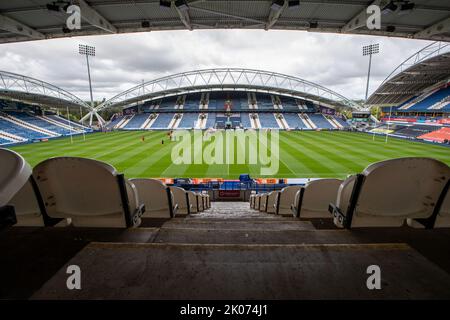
(31, 90)
(432, 50)
(228, 78)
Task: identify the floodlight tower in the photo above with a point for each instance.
(369, 51)
(88, 51)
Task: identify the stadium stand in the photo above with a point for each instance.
(114, 121)
(409, 187)
(23, 116)
(66, 122)
(157, 198)
(430, 101)
(288, 104)
(13, 128)
(192, 101)
(4, 141)
(228, 110)
(441, 135)
(211, 120)
(137, 121)
(268, 121)
(415, 130)
(167, 103)
(320, 121)
(294, 121)
(341, 121)
(162, 121)
(188, 121)
(245, 120)
(264, 101)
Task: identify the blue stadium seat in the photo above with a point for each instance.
(20, 131)
(320, 121)
(162, 121)
(137, 121)
(268, 121)
(294, 121)
(189, 120)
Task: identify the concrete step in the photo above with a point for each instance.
(239, 225)
(174, 271)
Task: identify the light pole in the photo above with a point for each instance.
(369, 51)
(88, 51)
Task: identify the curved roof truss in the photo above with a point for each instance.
(424, 69)
(229, 78)
(32, 90)
(432, 50)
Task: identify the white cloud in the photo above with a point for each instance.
(122, 61)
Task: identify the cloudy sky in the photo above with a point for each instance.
(122, 61)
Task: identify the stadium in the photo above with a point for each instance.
(236, 183)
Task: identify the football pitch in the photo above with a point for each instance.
(301, 154)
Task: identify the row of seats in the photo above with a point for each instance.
(85, 193)
(389, 193)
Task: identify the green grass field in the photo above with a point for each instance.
(302, 154)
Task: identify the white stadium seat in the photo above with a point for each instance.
(157, 197)
(181, 198)
(286, 199)
(27, 208)
(15, 173)
(193, 200)
(443, 216)
(200, 202)
(263, 202)
(312, 200)
(208, 201)
(272, 198)
(389, 192)
(89, 193)
(257, 201)
(252, 200)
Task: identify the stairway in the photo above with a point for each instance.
(27, 125)
(232, 252)
(61, 125)
(307, 122)
(11, 137)
(175, 121)
(333, 122)
(149, 122)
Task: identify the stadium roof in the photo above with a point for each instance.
(417, 74)
(229, 79)
(26, 89)
(22, 20)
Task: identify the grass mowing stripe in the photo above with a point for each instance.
(302, 154)
(326, 157)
